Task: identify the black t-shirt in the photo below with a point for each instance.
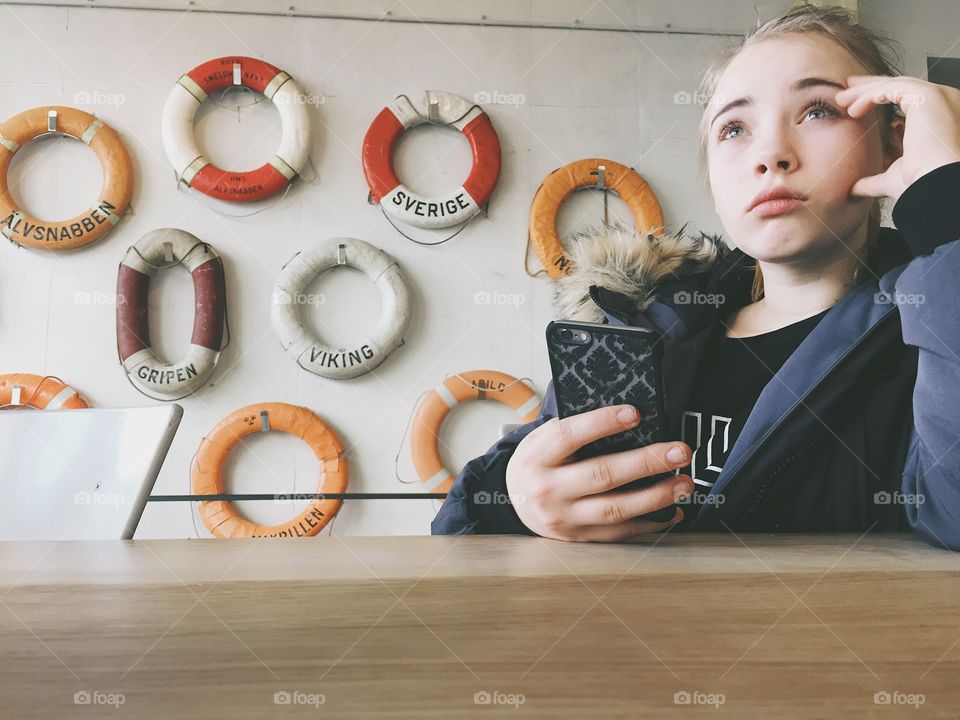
(730, 378)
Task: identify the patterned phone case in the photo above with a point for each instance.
(620, 365)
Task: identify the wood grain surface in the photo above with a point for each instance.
(782, 626)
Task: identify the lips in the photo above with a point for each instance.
(775, 201)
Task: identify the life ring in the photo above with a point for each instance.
(456, 389)
(193, 169)
(625, 182)
(310, 353)
(19, 227)
(156, 250)
(401, 202)
(39, 392)
(206, 475)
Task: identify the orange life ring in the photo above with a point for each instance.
(22, 229)
(472, 385)
(622, 180)
(220, 517)
(40, 392)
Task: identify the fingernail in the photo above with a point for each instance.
(676, 454)
(628, 415)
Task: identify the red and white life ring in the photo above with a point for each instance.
(401, 202)
(199, 173)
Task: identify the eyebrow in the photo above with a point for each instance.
(798, 85)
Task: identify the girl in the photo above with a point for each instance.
(812, 372)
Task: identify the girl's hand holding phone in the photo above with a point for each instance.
(583, 500)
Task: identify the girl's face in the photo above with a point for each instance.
(787, 131)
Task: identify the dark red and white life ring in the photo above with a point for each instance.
(156, 250)
(193, 169)
(401, 202)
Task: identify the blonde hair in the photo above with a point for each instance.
(877, 53)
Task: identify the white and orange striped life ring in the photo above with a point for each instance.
(39, 392)
(401, 202)
(457, 389)
(194, 170)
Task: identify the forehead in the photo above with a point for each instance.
(771, 65)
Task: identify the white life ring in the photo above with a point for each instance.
(193, 169)
(310, 353)
(158, 249)
(400, 201)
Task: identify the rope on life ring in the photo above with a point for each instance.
(206, 475)
(623, 181)
(23, 229)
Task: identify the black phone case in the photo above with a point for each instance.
(620, 365)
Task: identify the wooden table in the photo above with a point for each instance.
(776, 626)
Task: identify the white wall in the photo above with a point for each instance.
(585, 92)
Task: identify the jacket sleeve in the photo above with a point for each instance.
(926, 293)
(477, 502)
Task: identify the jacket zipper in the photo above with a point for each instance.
(768, 480)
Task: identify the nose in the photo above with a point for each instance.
(777, 153)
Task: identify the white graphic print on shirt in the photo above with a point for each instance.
(708, 458)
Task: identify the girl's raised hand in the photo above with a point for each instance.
(931, 135)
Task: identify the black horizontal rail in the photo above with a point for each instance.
(297, 496)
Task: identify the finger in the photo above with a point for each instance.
(627, 530)
(560, 438)
(872, 186)
(603, 473)
(615, 508)
(861, 79)
(860, 99)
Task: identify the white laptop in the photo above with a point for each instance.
(80, 474)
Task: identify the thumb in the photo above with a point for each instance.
(871, 186)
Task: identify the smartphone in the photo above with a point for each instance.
(596, 365)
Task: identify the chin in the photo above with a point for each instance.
(782, 239)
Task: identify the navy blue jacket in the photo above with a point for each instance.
(859, 429)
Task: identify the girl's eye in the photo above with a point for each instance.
(732, 125)
(819, 106)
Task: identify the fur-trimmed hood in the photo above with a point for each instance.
(627, 262)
